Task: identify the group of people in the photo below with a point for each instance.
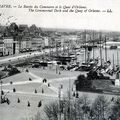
(39, 104)
(6, 100)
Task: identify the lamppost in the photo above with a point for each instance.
(6, 94)
(59, 95)
(75, 96)
(1, 90)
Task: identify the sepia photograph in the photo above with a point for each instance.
(59, 60)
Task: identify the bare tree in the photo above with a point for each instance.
(79, 109)
(115, 115)
(13, 29)
(82, 108)
(100, 108)
(52, 111)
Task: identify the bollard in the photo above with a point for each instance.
(11, 82)
(14, 90)
(35, 91)
(18, 101)
(42, 90)
(48, 84)
(30, 79)
(28, 104)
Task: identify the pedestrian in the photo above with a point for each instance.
(73, 94)
(44, 80)
(14, 90)
(11, 82)
(2, 92)
(27, 70)
(30, 79)
(77, 95)
(112, 100)
(8, 101)
(48, 84)
(40, 104)
(35, 91)
(18, 101)
(42, 90)
(28, 104)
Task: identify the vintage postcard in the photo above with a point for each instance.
(59, 60)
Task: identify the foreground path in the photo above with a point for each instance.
(18, 57)
(40, 80)
(33, 94)
(37, 80)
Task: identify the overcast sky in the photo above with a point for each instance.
(98, 21)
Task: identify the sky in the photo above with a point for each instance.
(89, 20)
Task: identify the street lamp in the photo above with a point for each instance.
(75, 95)
(4, 100)
(1, 90)
(59, 95)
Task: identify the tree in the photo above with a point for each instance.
(92, 75)
(6, 32)
(2, 74)
(34, 31)
(82, 108)
(115, 115)
(13, 30)
(23, 31)
(52, 111)
(13, 71)
(100, 108)
(82, 83)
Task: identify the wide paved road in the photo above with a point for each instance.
(21, 56)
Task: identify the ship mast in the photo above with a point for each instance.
(101, 49)
(85, 47)
(113, 62)
(93, 47)
(105, 50)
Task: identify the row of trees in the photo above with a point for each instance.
(13, 30)
(85, 82)
(82, 109)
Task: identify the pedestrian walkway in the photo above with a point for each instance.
(18, 57)
(23, 82)
(35, 76)
(30, 93)
(62, 79)
(37, 80)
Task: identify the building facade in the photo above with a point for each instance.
(1, 47)
(8, 45)
(37, 43)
